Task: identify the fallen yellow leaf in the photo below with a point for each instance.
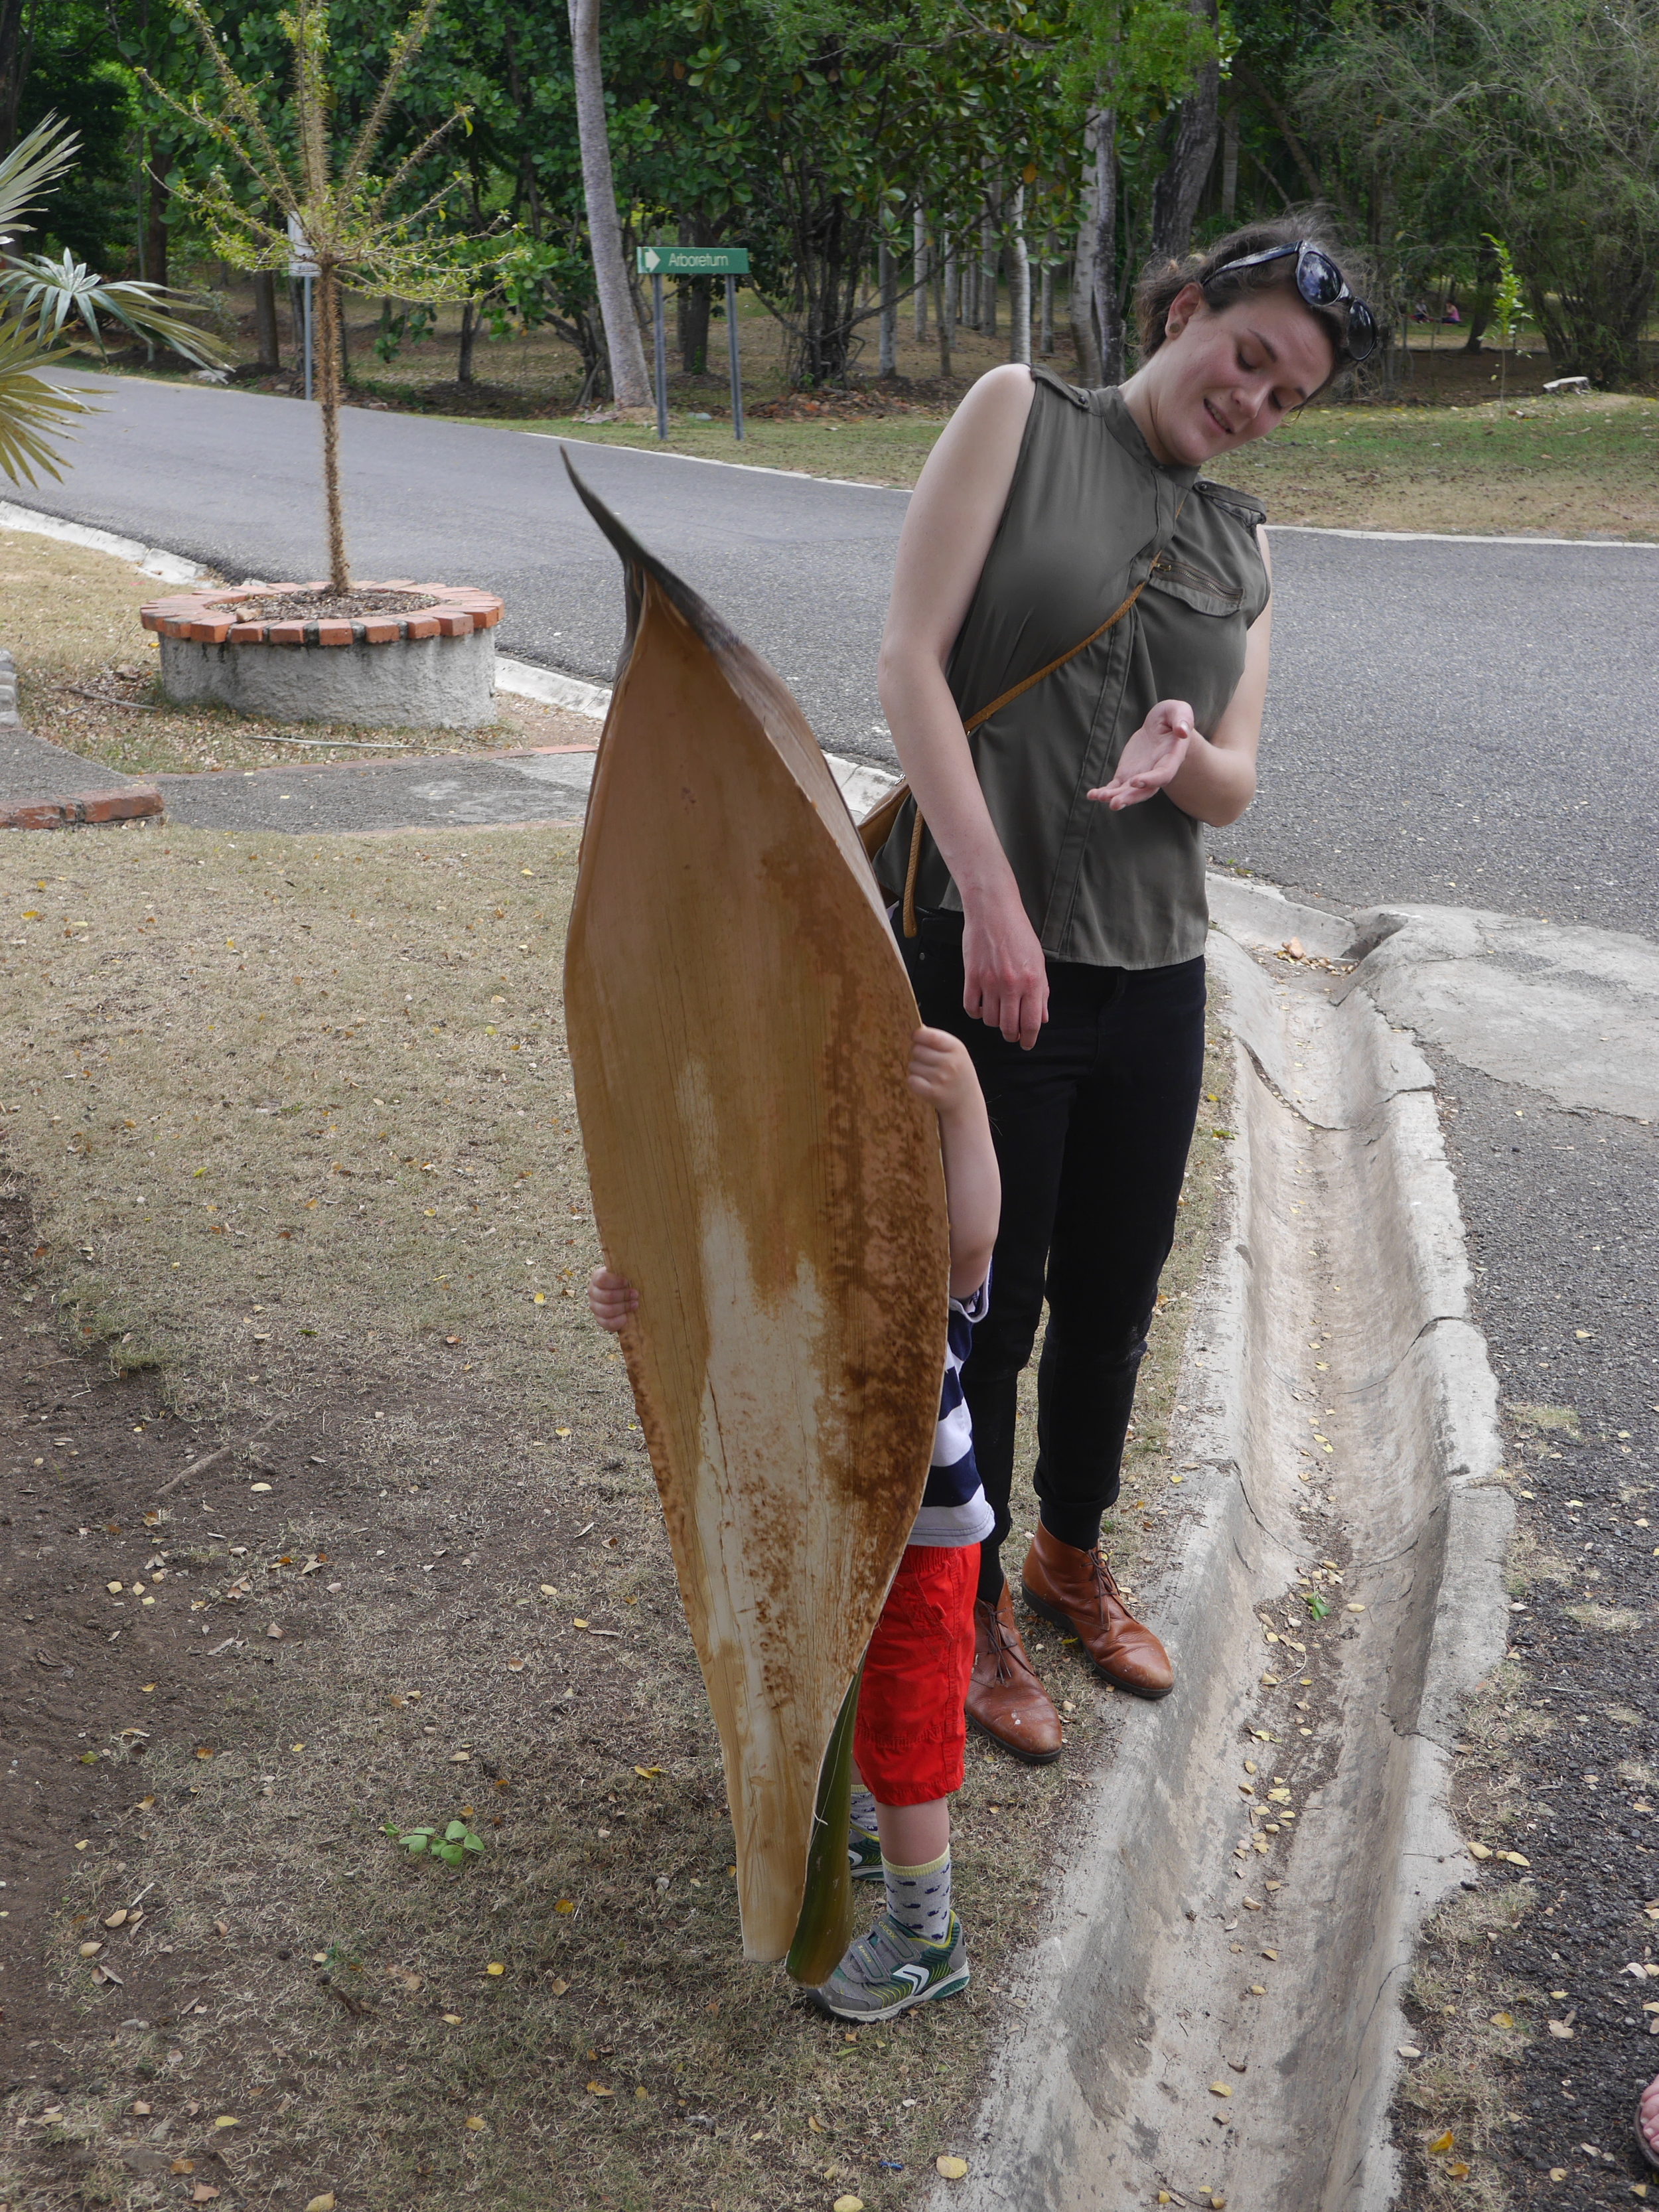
(1219, 2089)
(595, 2090)
(559, 1987)
(452, 2020)
(1458, 2170)
(1441, 2144)
(849, 2204)
(564, 1905)
(323, 2204)
(952, 2168)
(645, 1772)
(227, 2120)
(1560, 2031)
(815, 2125)
(1503, 2020)
(1356, 1609)
(1515, 1858)
(475, 2122)
(1478, 1852)
(495, 1968)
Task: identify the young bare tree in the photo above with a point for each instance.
(628, 383)
(347, 221)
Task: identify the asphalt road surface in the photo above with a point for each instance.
(1466, 722)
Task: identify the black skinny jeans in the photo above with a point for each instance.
(1092, 1128)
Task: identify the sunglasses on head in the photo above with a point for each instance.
(1321, 284)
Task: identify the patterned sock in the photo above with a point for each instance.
(864, 1810)
(918, 1896)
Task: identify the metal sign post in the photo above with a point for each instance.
(301, 265)
(730, 261)
(662, 355)
(731, 349)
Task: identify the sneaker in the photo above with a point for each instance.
(863, 1853)
(888, 1971)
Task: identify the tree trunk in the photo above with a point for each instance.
(887, 322)
(919, 270)
(1230, 165)
(14, 70)
(328, 340)
(944, 301)
(469, 339)
(1298, 152)
(264, 321)
(1045, 304)
(1086, 341)
(1109, 310)
(155, 211)
(1019, 284)
(989, 256)
(628, 381)
(952, 282)
(1192, 157)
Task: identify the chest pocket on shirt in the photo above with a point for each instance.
(1195, 587)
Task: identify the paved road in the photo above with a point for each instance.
(1455, 721)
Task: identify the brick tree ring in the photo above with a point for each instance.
(392, 655)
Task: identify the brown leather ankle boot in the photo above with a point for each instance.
(1075, 1590)
(1005, 1701)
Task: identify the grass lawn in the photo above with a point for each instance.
(1565, 467)
(290, 1164)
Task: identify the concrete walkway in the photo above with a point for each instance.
(42, 787)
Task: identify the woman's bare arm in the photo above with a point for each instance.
(1213, 778)
(952, 518)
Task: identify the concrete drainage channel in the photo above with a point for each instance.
(1339, 1408)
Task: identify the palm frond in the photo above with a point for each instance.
(38, 160)
(47, 294)
(33, 410)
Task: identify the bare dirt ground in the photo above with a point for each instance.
(291, 1167)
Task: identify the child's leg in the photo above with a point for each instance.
(916, 1866)
(909, 1742)
(863, 1848)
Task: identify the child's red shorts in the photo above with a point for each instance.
(912, 1725)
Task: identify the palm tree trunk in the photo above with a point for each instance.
(628, 383)
(328, 339)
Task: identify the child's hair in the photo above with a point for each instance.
(1160, 281)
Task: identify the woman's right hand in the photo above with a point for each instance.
(1005, 975)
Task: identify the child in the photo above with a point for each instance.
(911, 1730)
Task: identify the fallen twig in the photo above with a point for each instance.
(103, 699)
(195, 1465)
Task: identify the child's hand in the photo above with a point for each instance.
(612, 1298)
(941, 1073)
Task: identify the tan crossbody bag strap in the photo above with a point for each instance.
(877, 827)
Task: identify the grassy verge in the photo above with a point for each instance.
(296, 1121)
(88, 680)
(1564, 467)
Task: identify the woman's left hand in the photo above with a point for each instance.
(1153, 757)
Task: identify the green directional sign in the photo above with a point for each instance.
(694, 260)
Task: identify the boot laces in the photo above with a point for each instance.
(1105, 1583)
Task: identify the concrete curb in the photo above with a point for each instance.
(1343, 1242)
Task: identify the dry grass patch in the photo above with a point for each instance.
(88, 680)
(296, 1118)
(1471, 2014)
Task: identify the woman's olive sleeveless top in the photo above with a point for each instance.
(1090, 515)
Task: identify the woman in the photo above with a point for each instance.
(1055, 890)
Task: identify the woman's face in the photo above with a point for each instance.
(1223, 377)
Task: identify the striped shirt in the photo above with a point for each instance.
(954, 1509)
